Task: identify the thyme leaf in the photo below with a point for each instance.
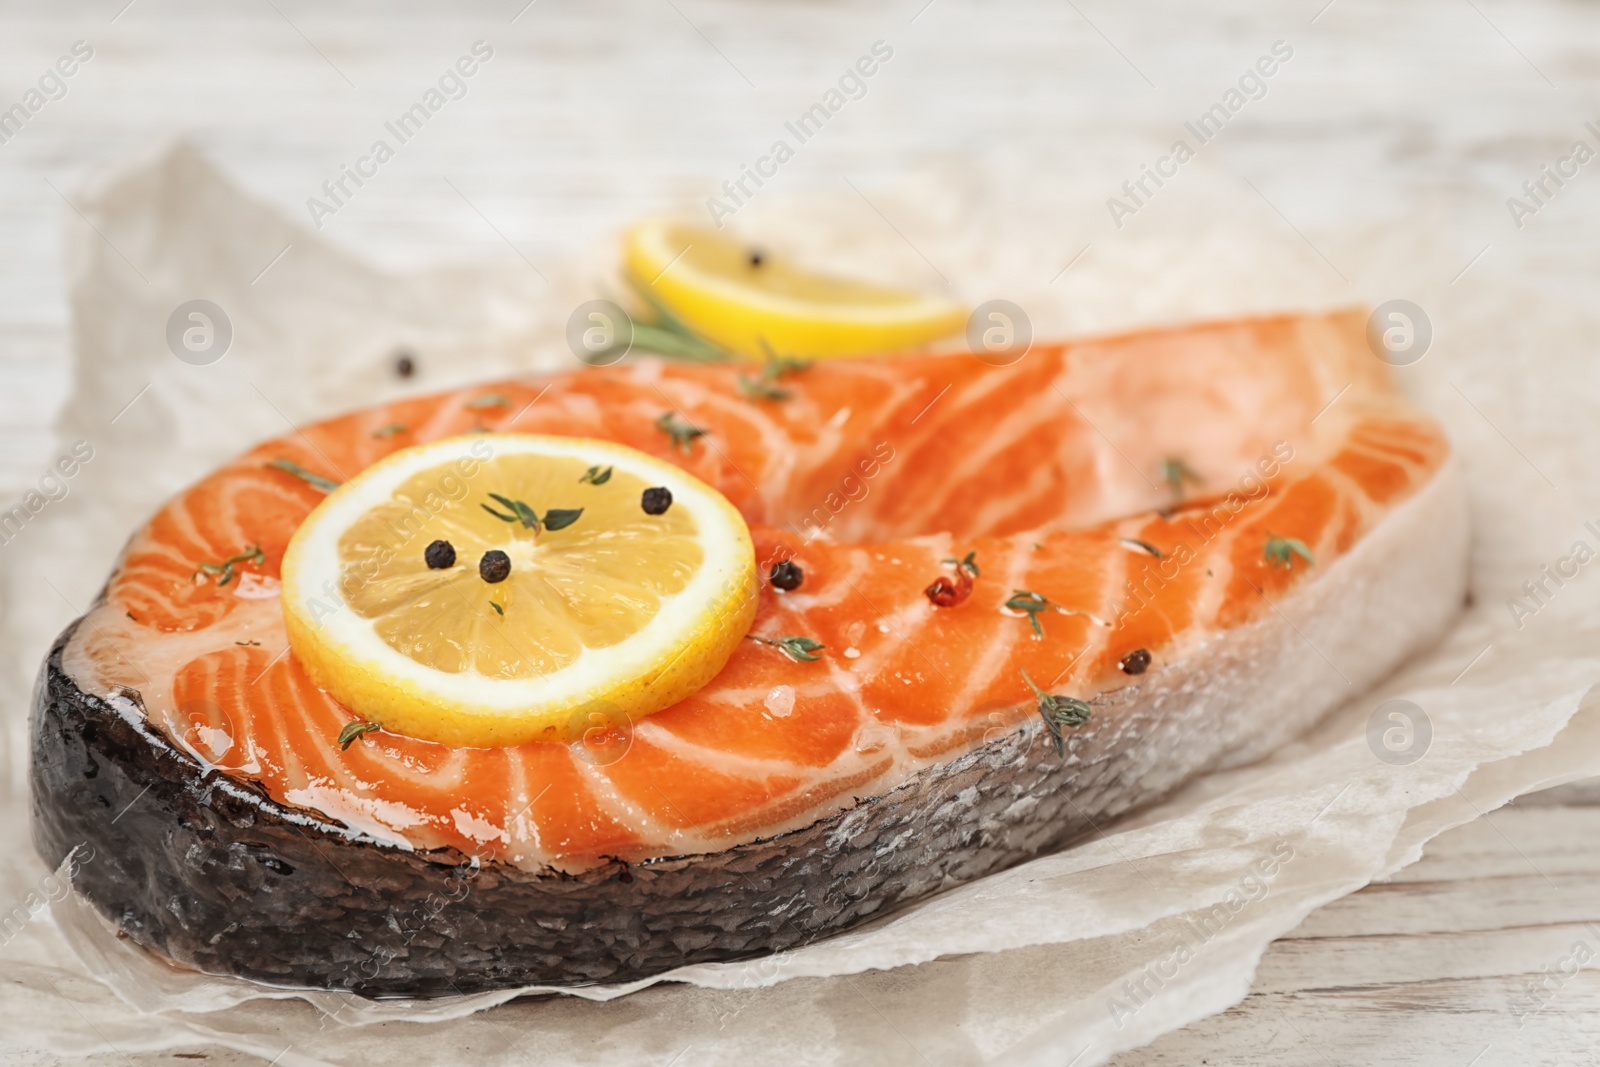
(681, 432)
(498, 610)
(561, 518)
(487, 400)
(1175, 472)
(316, 481)
(968, 564)
(1280, 551)
(596, 476)
(777, 366)
(765, 386)
(554, 519)
(520, 512)
(761, 388)
(353, 730)
(390, 430)
(1030, 603)
(251, 554)
(1058, 711)
(800, 649)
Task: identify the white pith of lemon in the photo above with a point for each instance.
(707, 280)
(613, 617)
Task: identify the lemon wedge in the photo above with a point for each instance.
(754, 303)
(496, 589)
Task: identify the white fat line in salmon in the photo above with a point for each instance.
(1254, 485)
(1196, 931)
(52, 487)
(851, 490)
(1551, 579)
(450, 487)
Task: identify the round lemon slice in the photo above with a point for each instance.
(496, 589)
(754, 303)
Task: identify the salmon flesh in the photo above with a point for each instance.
(1184, 547)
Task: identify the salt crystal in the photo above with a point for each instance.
(780, 701)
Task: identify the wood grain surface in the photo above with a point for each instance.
(594, 112)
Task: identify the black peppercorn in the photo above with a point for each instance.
(656, 501)
(1135, 662)
(439, 555)
(404, 365)
(756, 257)
(495, 566)
(786, 575)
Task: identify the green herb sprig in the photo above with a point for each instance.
(353, 730)
(595, 475)
(316, 481)
(487, 400)
(764, 386)
(251, 554)
(1030, 603)
(681, 432)
(800, 649)
(1279, 551)
(1058, 711)
(670, 336)
(554, 519)
(390, 430)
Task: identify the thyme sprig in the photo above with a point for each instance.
(682, 433)
(761, 388)
(554, 519)
(968, 564)
(800, 649)
(251, 554)
(595, 475)
(1030, 603)
(1058, 711)
(1280, 551)
(670, 336)
(316, 481)
(764, 386)
(353, 730)
(1175, 472)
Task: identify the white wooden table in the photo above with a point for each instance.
(594, 113)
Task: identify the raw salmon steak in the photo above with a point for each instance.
(1193, 542)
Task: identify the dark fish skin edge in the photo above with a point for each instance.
(207, 871)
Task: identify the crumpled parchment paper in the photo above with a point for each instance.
(1155, 922)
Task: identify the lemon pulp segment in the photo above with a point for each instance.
(589, 585)
(614, 612)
